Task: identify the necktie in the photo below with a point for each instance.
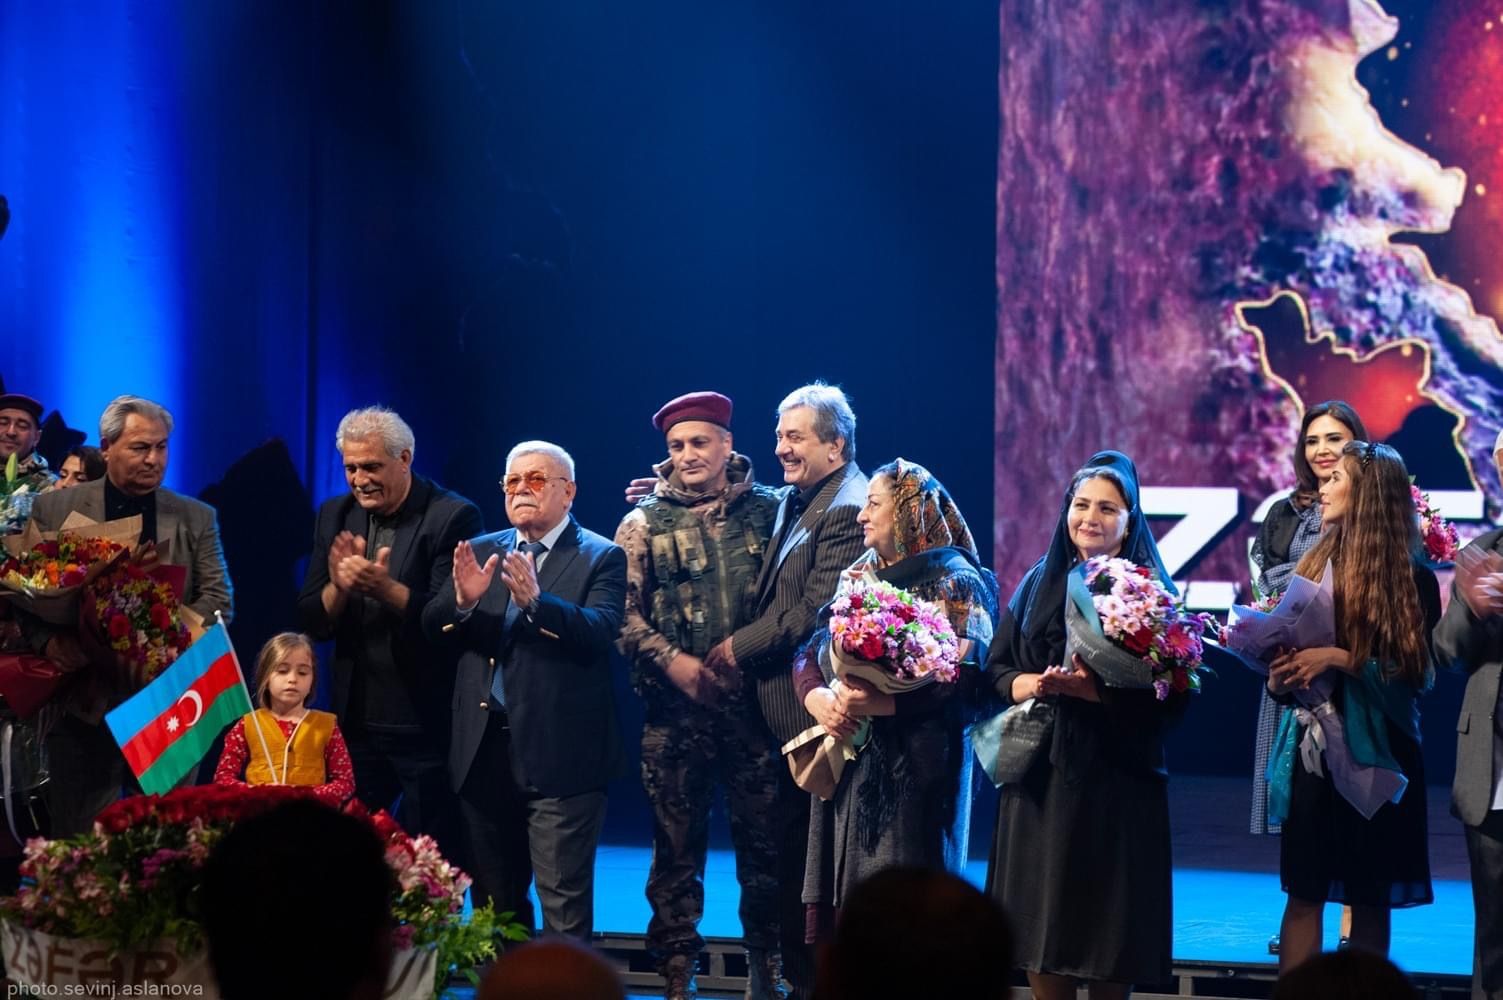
(498, 693)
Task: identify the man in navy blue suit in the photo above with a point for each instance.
(534, 611)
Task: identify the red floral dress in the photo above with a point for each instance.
(337, 790)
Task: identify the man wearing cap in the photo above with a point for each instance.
(1469, 638)
(694, 550)
(20, 431)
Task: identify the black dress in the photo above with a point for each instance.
(1081, 859)
(1329, 852)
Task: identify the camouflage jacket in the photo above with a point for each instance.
(17, 495)
(644, 640)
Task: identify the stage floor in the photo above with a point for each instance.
(1227, 901)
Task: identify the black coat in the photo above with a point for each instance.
(432, 521)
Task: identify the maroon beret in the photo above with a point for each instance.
(16, 401)
(708, 406)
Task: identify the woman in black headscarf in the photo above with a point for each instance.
(906, 799)
(1081, 861)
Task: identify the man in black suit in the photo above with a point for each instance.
(535, 738)
(87, 767)
(1469, 637)
(380, 554)
(814, 539)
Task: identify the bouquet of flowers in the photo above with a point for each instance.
(1150, 640)
(1304, 617)
(428, 900)
(44, 576)
(891, 640)
(18, 491)
(1438, 534)
(133, 880)
(134, 610)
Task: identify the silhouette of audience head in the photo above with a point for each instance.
(915, 932)
(1345, 975)
(297, 903)
(552, 969)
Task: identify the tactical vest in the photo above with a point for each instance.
(309, 741)
(706, 589)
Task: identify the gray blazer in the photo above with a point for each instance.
(1474, 645)
(188, 527)
(796, 581)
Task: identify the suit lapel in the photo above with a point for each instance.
(559, 559)
(401, 546)
(800, 531)
(771, 562)
(505, 542)
(358, 523)
(92, 502)
(169, 516)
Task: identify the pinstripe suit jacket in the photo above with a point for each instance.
(796, 581)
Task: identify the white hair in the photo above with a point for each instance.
(376, 422)
(112, 420)
(833, 417)
(553, 451)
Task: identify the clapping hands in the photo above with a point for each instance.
(350, 570)
(1479, 581)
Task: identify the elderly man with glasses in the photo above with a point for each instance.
(533, 612)
(381, 552)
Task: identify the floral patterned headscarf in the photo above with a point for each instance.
(924, 516)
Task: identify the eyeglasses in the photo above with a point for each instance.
(1367, 454)
(533, 481)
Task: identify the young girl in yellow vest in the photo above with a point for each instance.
(284, 742)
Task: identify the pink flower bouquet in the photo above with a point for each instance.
(1438, 534)
(1150, 640)
(890, 638)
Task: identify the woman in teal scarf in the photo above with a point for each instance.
(1386, 606)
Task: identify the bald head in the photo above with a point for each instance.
(552, 969)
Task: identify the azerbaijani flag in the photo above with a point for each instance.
(166, 728)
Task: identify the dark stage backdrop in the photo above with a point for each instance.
(506, 220)
(1014, 231)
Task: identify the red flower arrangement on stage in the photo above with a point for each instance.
(133, 879)
(1138, 614)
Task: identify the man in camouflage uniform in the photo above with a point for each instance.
(20, 432)
(694, 549)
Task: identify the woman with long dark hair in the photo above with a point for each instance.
(1081, 856)
(1290, 529)
(1386, 604)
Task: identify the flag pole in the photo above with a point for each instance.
(219, 622)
